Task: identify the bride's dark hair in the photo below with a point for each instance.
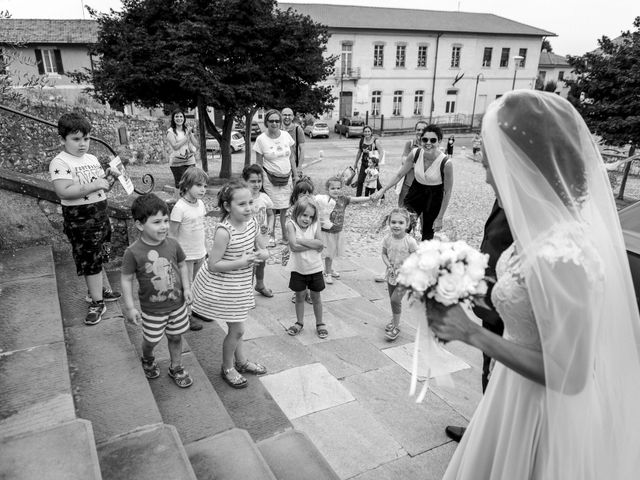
(548, 140)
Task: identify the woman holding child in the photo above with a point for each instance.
(182, 146)
(368, 147)
(274, 153)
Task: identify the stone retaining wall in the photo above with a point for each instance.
(28, 146)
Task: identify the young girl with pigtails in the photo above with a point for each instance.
(223, 288)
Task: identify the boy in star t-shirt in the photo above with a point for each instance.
(82, 186)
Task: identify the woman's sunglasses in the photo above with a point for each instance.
(427, 140)
(274, 120)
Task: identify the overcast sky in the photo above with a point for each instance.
(577, 23)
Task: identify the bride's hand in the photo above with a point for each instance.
(450, 323)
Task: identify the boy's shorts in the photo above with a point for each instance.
(89, 231)
(299, 282)
(155, 325)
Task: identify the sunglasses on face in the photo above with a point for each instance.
(427, 140)
(274, 120)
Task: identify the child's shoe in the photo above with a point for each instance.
(335, 274)
(150, 367)
(94, 315)
(108, 295)
(251, 367)
(392, 334)
(388, 327)
(233, 378)
(180, 376)
(328, 279)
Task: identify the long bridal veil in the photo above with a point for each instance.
(556, 194)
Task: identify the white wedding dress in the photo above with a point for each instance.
(502, 440)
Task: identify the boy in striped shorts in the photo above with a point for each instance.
(164, 289)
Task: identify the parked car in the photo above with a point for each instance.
(237, 143)
(317, 129)
(630, 223)
(349, 127)
(255, 129)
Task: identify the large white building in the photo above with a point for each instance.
(408, 64)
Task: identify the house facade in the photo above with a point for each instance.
(554, 68)
(47, 50)
(408, 64)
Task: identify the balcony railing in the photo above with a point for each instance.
(352, 73)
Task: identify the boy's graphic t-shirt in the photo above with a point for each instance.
(331, 212)
(82, 170)
(156, 269)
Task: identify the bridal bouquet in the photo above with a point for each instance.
(448, 273)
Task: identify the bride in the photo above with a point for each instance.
(563, 402)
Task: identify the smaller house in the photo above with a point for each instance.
(554, 68)
(47, 50)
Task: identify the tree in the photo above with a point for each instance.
(606, 90)
(546, 45)
(233, 55)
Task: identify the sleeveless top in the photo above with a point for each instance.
(307, 261)
(432, 176)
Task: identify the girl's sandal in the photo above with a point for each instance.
(233, 378)
(251, 367)
(321, 330)
(181, 377)
(295, 329)
(389, 327)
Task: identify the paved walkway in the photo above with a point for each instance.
(349, 392)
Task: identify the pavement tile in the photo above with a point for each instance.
(418, 427)
(343, 264)
(278, 352)
(339, 290)
(344, 357)
(336, 327)
(26, 263)
(430, 465)
(350, 438)
(362, 281)
(276, 277)
(433, 356)
(465, 393)
(255, 327)
(307, 389)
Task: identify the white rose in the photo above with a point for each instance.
(458, 269)
(481, 288)
(449, 289)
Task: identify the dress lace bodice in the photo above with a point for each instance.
(511, 299)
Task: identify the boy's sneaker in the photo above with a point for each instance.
(392, 334)
(150, 367)
(108, 295)
(328, 279)
(94, 315)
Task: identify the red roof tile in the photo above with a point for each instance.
(17, 30)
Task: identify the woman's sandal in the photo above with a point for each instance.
(295, 329)
(264, 291)
(181, 377)
(321, 330)
(251, 367)
(233, 378)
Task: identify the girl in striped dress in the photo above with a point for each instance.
(223, 288)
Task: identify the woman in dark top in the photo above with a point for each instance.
(368, 145)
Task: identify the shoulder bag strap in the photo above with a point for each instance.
(442, 164)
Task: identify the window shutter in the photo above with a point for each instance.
(58, 61)
(39, 62)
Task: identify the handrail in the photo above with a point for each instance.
(147, 178)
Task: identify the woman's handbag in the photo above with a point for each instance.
(277, 179)
(348, 174)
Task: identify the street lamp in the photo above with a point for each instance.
(516, 61)
(475, 94)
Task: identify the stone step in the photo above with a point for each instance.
(36, 389)
(231, 455)
(64, 452)
(196, 412)
(148, 453)
(291, 456)
(109, 385)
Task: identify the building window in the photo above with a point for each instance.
(345, 58)
(49, 62)
(422, 56)
(401, 53)
(561, 75)
(450, 106)
(455, 56)
(376, 97)
(504, 57)
(378, 55)
(486, 57)
(523, 53)
(397, 103)
(418, 102)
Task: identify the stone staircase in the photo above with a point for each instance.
(75, 404)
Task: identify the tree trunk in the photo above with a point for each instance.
(625, 175)
(225, 146)
(248, 117)
(202, 128)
